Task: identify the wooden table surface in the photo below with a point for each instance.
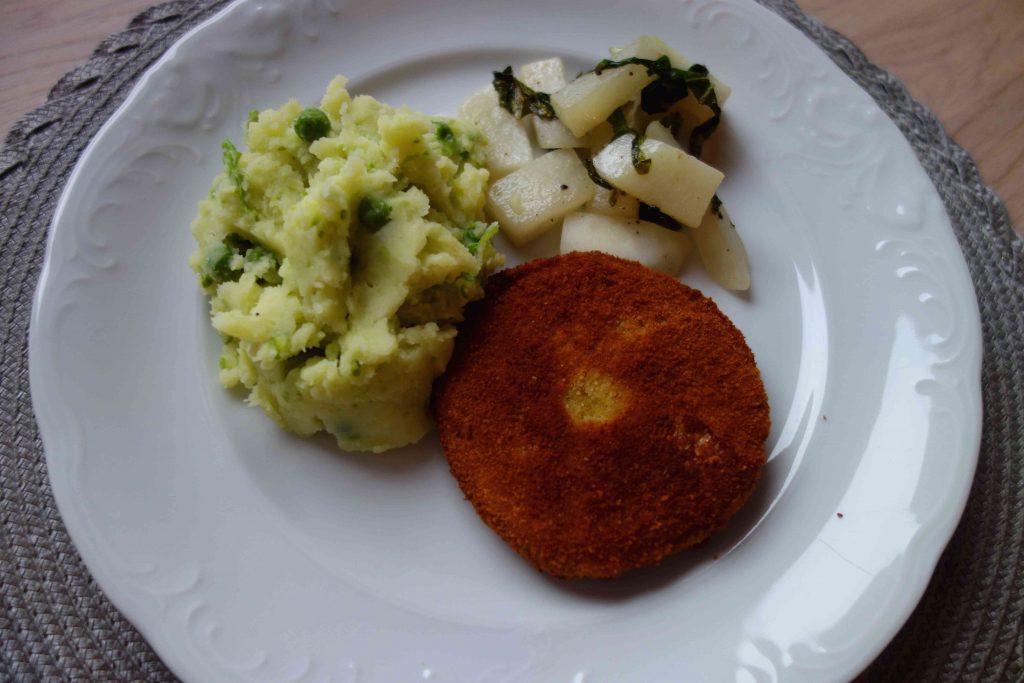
(965, 60)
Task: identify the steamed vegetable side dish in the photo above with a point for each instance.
(338, 249)
(621, 163)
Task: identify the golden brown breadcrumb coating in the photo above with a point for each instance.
(599, 415)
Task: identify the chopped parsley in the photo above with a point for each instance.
(217, 266)
(670, 86)
(595, 176)
(217, 263)
(476, 237)
(231, 159)
(652, 214)
(269, 273)
(673, 122)
(450, 146)
(519, 98)
(641, 162)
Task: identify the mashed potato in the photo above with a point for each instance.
(338, 252)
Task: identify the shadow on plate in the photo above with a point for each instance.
(407, 460)
(700, 558)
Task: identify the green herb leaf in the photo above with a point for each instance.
(258, 254)
(673, 122)
(476, 237)
(661, 94)
(520, 99)
(485, 238)
(231, 159)
(217, 261)
(450, 146)
(596, 177)
(653, 214)
(217, 265)
(617, 119)
(700, 134)
(698, 80)
(716, 207)
(672, 85)
(641, 162)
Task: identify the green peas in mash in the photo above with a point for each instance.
(312, 124)
(338, 250)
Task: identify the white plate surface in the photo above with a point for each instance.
(245, 554)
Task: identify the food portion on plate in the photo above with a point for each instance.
(598, 414)
(626, 415)
(338, 248)
(634, 127)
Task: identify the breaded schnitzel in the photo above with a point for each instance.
(600, 416)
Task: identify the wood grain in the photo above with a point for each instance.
(964, 60)
(41, 40)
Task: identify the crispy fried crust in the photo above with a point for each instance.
(600, 416)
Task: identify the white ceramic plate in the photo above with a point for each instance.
(244, 554)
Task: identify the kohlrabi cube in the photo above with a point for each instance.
(613, 203)
(679, 184)
(649, 47)
(590, 99)
(533, 199)
(721, 249)
(508, 144)
(652, 245)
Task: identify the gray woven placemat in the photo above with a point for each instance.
(56, 624)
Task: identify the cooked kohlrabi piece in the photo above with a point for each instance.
(652, 245)
(590, 99)
(508, 144)
(657, 131)
(636, 117)
(545, 75)
(599, 136)
(552, 134)
(613, 203)
(679, 184)
(691, 114)
(532, 200)
(548, 75)
(721, 249)
(649, 47)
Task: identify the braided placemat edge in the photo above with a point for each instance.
(55, 623)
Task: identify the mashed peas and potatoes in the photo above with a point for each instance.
(338, 248)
